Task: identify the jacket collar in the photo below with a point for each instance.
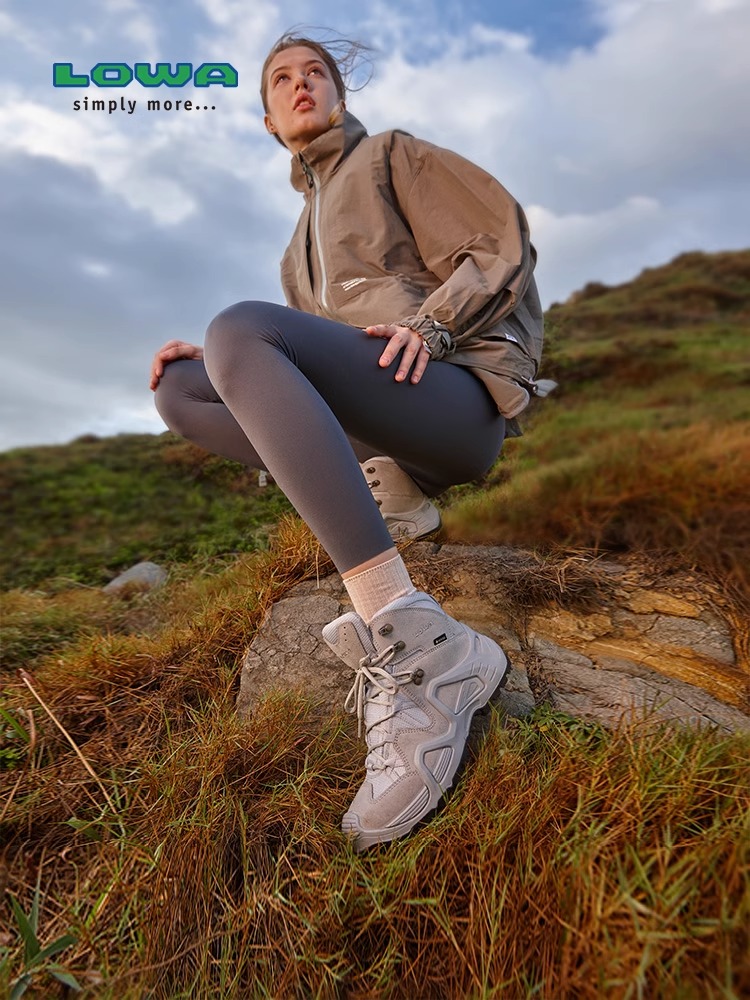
(326, 153)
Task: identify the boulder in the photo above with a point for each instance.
(598, 639)
(289, 652)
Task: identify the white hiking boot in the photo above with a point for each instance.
(421, 676)
(407, 512)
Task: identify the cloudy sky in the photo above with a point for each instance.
(621, 125)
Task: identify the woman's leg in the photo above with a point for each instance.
(297, 384)
(191, 407)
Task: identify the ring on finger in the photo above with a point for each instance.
(424, 343)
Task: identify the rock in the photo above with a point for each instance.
(289, 652)
(600, 639)
(142, 576)
(622, 690)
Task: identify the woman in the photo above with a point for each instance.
(403, 242)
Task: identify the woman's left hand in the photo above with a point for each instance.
(414, 351)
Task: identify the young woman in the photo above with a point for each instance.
(405, 243)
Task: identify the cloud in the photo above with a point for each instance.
(662, 97)
(605, 245)
(20, 36)
(89, 289)
(619, 149)
(128, 230)
(242, 31)
(43, 398)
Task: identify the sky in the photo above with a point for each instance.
(622, 127)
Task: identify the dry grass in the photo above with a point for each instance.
(683, 490)
(204, 859)
(690, 289)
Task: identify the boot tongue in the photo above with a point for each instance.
(388, 708)
(380, 709)
(377, 707)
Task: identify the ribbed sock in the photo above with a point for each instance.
(373, 588)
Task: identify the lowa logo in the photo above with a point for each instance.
(121, 74)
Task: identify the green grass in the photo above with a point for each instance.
(86, 510)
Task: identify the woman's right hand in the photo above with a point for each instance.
(173, 350)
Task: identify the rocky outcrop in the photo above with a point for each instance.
(598, 639)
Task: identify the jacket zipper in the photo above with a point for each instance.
(314, 183)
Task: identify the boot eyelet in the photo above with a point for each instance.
(385, 630)
(398, 646)
(371, 470)
(375, 482)
(418, 676)
(379, 503)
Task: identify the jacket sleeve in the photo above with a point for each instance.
(470, 232)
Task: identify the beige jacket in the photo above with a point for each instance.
(396, 230)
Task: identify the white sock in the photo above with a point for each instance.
(373, 588)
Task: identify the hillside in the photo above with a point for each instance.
(83, 511)
(153, 844)
(645, 445)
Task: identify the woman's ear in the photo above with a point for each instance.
(270, 127)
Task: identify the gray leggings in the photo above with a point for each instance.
(304, 398)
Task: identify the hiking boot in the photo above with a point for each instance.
(420, 677)
(407, 512)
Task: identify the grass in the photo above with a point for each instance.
(645, 445)
(155, 847)
(84, 511)
(685, 490)
(189, 856)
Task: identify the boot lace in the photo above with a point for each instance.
(373, 685)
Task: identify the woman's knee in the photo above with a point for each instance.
(235, 329)
(182, 386)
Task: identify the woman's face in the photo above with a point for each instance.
(300, 94)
